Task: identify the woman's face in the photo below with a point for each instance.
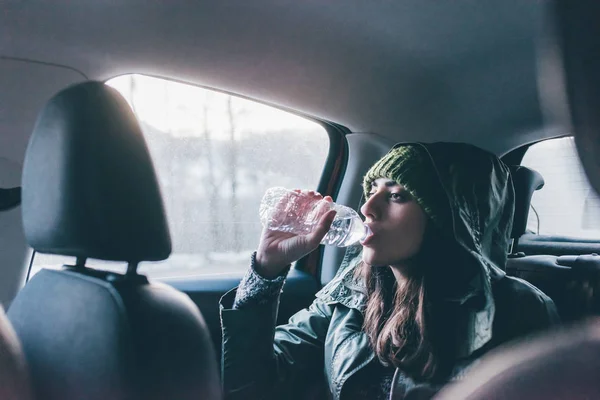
(397, 222)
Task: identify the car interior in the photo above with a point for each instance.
(136, 141)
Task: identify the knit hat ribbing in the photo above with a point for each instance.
(411, 167)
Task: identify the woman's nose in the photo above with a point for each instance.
(369, 209)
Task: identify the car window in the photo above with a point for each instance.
(566, 205)
(215, 155)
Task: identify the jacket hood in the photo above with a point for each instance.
(468, 194)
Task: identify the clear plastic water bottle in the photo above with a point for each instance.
(285, 210)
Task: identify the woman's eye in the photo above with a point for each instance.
(397, 196)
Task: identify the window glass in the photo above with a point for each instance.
(566, 205)
(215, 155)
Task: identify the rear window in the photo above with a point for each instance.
(214, 155)
(566, 205)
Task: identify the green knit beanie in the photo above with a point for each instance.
(412, 167)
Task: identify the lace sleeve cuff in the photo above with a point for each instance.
(254, 289)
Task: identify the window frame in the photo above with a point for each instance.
(334, 168)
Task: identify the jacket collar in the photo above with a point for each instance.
(344, 288)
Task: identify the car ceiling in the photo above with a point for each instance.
(406, 70)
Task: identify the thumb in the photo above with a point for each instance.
(315, 237)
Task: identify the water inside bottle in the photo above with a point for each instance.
(344, 232)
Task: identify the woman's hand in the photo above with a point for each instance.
(277, 249)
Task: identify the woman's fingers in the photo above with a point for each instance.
(310, 193)
(315, 237)
(323, 205)
(278, 248)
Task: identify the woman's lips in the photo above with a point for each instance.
(369, 237)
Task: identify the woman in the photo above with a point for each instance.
(425, 298)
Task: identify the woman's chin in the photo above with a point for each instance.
(373, 259)
(370, 258)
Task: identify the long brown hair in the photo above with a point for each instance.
(401, 321)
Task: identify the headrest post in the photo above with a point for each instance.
(80, 263)
(132, 268)
(512, 246)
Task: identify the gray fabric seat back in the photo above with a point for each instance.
(90, 191)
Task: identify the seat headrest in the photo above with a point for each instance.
(10, 198)
(89, 186)
(526, 181)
